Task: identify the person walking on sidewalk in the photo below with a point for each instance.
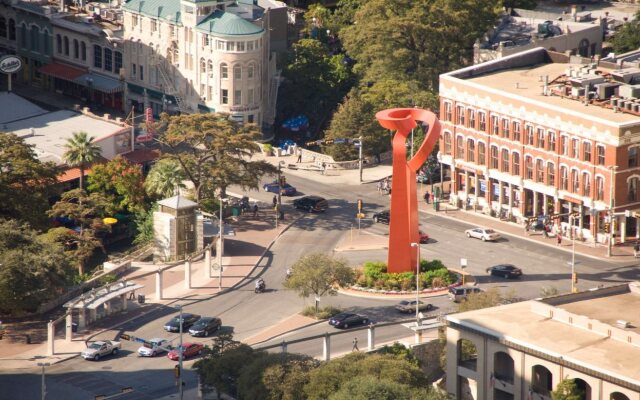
(427, 197)
(324, 167)
(636, 249)
(255, 210)
(355, 344)
(559, 239)
(275, 201)
(299, 154)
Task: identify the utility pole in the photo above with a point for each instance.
(360, 156)
(43, 388)
(133, 128)
(181, 389)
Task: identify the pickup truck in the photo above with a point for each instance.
(100, 349)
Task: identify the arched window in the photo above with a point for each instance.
(633, 157)
(482, 154)
(76, 48)
(35, 38)
(599, 188)
(83, 51)
(237, 72)
(12, 29)
(575, 181)
(494, 157)
(467, 354)
(3, 27)
(528, 167)
(551, 174)
(586, 184)
(66, 46)
(97, 56)
(210, 69)
(564, 178)
(618, 396)
(503, 367)
(59, 44)
(23, 36)
(515, 164)
(108, 59)
(583, 388)
(632, 189)
(471, 150)
(583, 48)
(541, 380)
(224, 71)
(505, 160)
(447, 143)
(460, 147)
(45, 43)
(203, 66)
(250, 71)
(539, 170)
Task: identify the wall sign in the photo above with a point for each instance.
(10, 64)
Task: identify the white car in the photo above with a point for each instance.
(100, 349)
(483, 234)
(153, 347)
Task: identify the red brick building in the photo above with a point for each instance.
(542, 134)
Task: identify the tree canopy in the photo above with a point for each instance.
(165, 178)
(80, 151)
(214, 152)
(319, 274)
(25, 182)
(120, 183)
(567, 389)
(627, 38)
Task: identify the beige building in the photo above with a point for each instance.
(202, 56)
(523, 350)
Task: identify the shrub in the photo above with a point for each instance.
(406, 284)
(362, 281)
(379, 284)
(442, 274)
(323, 313)
(438, 282)
(373, 269)
(430, 265)
(267, 148)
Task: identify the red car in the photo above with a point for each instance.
(190, 350)
(424, 237)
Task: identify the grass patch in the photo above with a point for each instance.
(323, 312)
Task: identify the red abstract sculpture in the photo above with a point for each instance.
(403, 227)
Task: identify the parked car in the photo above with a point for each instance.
(409, 306)
(187, 349)
(100, 349)
(505, 270)
(173, 325)
(274, 187)
(461, 292)
(483, 234)
(204, 326)
(152, 347)
(345, 320)
(311, 204)
(382, 217)
(424, 237)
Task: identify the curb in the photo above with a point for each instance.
(440, 214)
(382, 296)
(288, 332)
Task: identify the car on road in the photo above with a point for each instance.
(173, 325)
(409, 306)
(345, 320)
(205, 326)
(311, 204)
(508, 271)
(274, 187)
(152, 347)
(483, 234)
(188, 350)
(100, 349)
(462, 292)
(382, 217)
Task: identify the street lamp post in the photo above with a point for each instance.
(574, 289)
(180, 388)
(612, 204)
(43, 392)
(221, 240)
(417, 246)
(360, 156)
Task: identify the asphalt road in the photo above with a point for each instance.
(247, 313)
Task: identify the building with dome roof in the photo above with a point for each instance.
(203, 56)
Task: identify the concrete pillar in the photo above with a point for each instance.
(158, 285)
(284, 346)
(82, 317)
(108, 308)
(500, 196)
(124, 302)
(580, 220)
(92, 315)
(637, 228)
(510, 198)
(68, 332)
(623, 228)
(535, 203)
(477, 187)
(545, 205)
(418, 336)
(371, 335)
(187, 274)
(50, 338)
(466, 185)
(326, 347)
(207, 263)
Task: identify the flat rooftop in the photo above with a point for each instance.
(525, 82)
(15, 108)
(577, 335)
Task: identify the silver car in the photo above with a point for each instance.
(483, 234)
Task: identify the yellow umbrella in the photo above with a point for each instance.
(110, 221)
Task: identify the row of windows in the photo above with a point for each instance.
(79, 48)
(539, 137)
(34, 40)
(538, 171)
(107, 59)
(207, 66)
(7, 30)
(224, 96)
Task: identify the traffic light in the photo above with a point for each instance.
(176, 371)
(359, 206)
(575, 278)
(606, 227)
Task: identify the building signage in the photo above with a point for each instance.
(10, 64)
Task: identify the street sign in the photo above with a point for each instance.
(10, 64)
(360, 215)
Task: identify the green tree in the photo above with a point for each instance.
(319, 274)
(32, 271)
(87, 212)
(144, 225)
(25, 182)
(80, 151)
(344, 14)
(119, 182)
(627, 38)
(276, 377)
(477, 301)
(165, 178)
(510, 5)
(214, 152)
(567, 389)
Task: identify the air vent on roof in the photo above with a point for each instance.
(625, 75)
(623, 324)
(629, 91)
(606, 90)
(587, 80)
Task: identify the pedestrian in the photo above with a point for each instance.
(324, 167)
(255, 210)
(281, 213)
(559, 239)
(275, 201)
(636, 249)
(385, 186)
(355, 344)
(426, 197)
(299, 153)
(379, 186)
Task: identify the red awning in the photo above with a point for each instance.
(62, 71)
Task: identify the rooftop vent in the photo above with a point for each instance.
(623, 324)
(625, 75)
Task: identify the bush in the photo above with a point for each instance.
(375, 275)
(267, 148)
(374, 269)
(432, 265)
(323, 313)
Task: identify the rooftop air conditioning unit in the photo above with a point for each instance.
(625, 75)
(623, 324)
(629, 91)
(577, 91)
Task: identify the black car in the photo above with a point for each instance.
(204, 326)
(505, 271)
(345, 320)
(311, 204)
(187, 320)
(382, 216)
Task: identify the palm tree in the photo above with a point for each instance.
(81, 150)
(165, 178)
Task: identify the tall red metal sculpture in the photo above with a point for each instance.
(403, 227)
